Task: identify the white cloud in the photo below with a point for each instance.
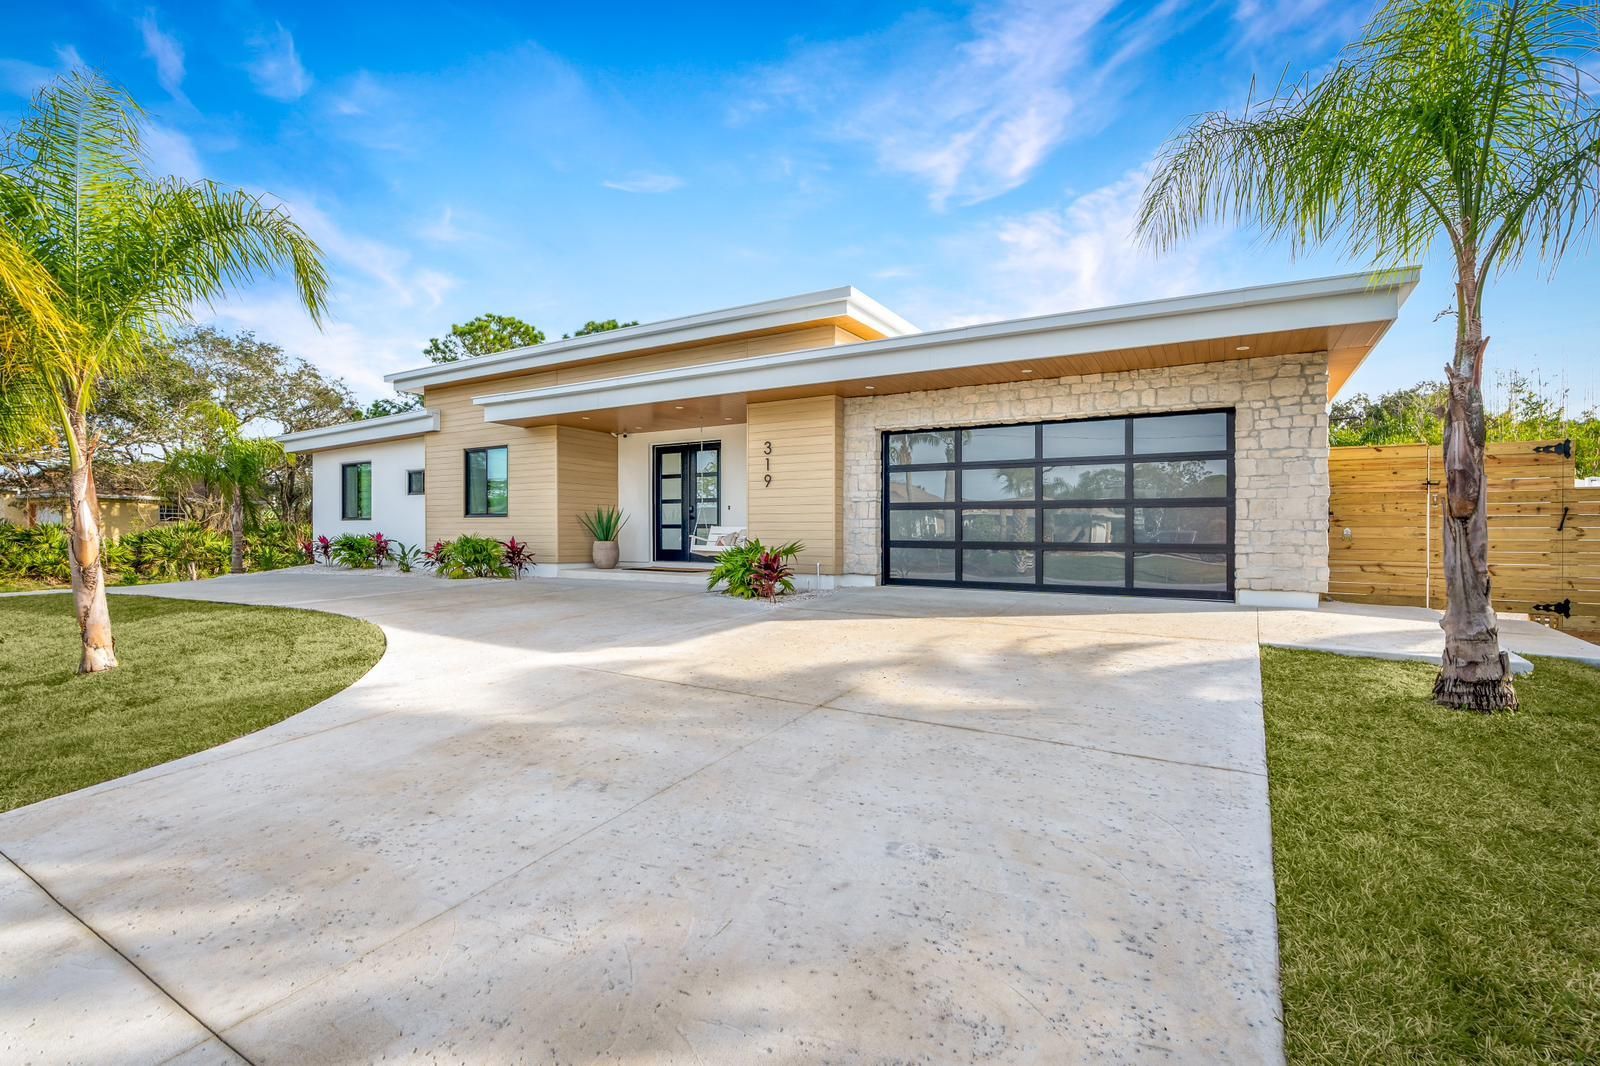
(167, 53)
(969, 109)
(445, 229)
(170, 153)
(22, 78)
(1075, 256)
(68, 57)
(645, 183)
(277, 70)
(1310, 22)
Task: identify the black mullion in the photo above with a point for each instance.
(1127, 506)
(960, 501)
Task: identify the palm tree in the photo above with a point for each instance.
(235, 467)
(96, 256)
(1458, 120)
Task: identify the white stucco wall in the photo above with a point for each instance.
(635, 469)
(395, 514)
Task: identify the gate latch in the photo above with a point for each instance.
(1561, 607)
(1564, 449)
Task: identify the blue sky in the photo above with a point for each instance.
(565, 162)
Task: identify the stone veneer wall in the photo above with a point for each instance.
(1280, 449)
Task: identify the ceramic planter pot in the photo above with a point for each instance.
(605, 554)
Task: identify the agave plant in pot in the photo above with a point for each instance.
(603, 524)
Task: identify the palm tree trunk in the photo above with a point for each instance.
(236, 521)
(88, 578)
(1474, 673)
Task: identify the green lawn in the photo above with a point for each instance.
(193, 675)
(1438, 872)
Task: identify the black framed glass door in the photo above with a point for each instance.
(688, 496)
(1140, 505)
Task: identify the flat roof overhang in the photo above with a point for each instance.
(846, 307)
(1344, 316)
(367, 431)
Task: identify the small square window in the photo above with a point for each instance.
(414, 482)
(171, 512)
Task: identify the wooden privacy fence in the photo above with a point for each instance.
(1384, 544)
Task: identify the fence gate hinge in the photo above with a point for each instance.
(1564, 449)
(1563, 523)
(1561, 607)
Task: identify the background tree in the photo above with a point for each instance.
(95, 258)
(236, 468)
(1451, 120)
(592, 327)
(484, 335)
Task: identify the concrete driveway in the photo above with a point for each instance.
(575, 821)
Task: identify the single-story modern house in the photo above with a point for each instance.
(1177, 447)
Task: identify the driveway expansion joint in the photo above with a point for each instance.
(140, 970)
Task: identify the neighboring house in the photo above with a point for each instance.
(120, 513)
(1173, 447)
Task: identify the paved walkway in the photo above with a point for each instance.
(576, 820)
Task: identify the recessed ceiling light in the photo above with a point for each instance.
(870, 386)
(1027, 370)
(638, 427)
(728, 418)
(677, 407)
(584, 417)
(1242, 348)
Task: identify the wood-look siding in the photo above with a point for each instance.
(531, 504)
(1544, 533)
(805, 500)
(586, 478)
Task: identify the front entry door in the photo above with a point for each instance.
(688, 480)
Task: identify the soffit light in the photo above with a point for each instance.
(1242, 348)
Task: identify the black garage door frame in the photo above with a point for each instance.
(956, 466)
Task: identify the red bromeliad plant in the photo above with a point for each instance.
(382, 548)
(436, 554)
(772, 575)
(324, 548)
(308, 548)
(517, 555)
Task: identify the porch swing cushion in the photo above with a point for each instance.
(716, 539)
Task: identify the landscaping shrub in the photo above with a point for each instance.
(180, 550)
(406, 556)
(471, 556)
(41, 553)
(753, 570)
(516, 555)
(354, 551)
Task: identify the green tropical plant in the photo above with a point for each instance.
(469, 556)
(354, 551)
(179, 550)
(749, 574)
(406, 556)
(235, 467)
(604, 523)
(40, 552)
(96, 256)
(1449, 120)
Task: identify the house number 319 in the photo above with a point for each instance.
(766, 450)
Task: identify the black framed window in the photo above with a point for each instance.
(488, 490)
(1142, 505)
(414, 482)
(356, 491)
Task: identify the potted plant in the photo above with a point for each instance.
(603, 524)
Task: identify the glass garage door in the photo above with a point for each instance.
(1138, 506)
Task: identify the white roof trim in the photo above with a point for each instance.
(367, 431)
(1341, 300)
(845, 302)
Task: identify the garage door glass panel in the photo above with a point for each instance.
(922, 524)
(1081, 481)
(1180, 525)
(1001, 442)
(1007, 525)
(922, 486)
(998, 483)
(1181, 571)
(923, 564)
(1181, 433)
(1097, 569)
(1177, 479)
(1137, 505)
(1069, 440)
(997, 567)
(1085, 525)
(906, 449)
